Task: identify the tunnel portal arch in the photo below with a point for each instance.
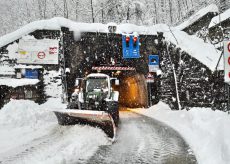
(105, 49)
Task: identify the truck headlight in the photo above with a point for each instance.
(77, 90)
(92, 97)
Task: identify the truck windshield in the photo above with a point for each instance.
(96, 83)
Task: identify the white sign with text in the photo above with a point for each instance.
(35, 51)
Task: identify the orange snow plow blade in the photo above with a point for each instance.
(99, 119)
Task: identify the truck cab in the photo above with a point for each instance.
(96, 93)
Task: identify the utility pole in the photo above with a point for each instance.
(62, 66)
(175, 79)
(91, 4)
(66, 14)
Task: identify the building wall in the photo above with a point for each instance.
(199, 24)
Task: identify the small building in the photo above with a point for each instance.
(223, 20)
(199, 20)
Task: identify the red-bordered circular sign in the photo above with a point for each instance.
(229, 47)
(41, 55)
(229, 60)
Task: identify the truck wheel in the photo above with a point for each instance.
(72, 105)
(115, 112)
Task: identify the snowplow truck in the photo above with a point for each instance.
(93, 102)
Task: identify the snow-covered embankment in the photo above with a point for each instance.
(206, 131)
(30, 134)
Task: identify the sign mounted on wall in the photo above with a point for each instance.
(153, 63)
(38, 51)
(227, 61)
(130, 46)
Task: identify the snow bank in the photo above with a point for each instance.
(219, 18)
(17, 82)
(206, 131)
(27, 127)
(6, 70)
(211, 8)
(26, 112)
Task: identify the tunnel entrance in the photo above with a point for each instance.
(133, 91)
(105, 50)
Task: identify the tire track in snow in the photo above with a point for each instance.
(22, 152)
(144, 140)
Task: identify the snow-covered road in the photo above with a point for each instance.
(144, 140)
(30, 134)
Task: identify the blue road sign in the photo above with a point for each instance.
(153, 63)
(153, 60)
(130, 46)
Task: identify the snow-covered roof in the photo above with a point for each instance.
(20, 66)
(197, 16)
(220, 18)
(98, 75)
(17, 82)
(206, 53)
(58, 22)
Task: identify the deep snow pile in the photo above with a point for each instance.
(27, 127)
(206, 131)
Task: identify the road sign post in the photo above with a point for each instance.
(153, 63)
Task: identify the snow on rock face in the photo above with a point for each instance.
(196, 47)
(206, 131)
(219, 18)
